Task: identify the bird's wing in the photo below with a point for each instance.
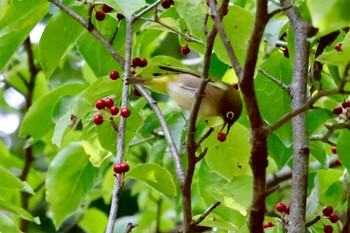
(180, 70)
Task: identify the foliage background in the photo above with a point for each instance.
(57, 174)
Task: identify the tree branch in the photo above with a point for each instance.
(206, 213)
(258, 159)
(285, 87)
(301, 149)
(91, 29)
(118, 183)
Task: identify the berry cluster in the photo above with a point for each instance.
(344, 106)
(108, 103)
(333, 217)
(334, 151)
(167, 3)
(121, 168)
(101, 12)
(101, 15)
(281, 208)
(139, 62)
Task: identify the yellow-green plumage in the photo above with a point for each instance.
(220, 99)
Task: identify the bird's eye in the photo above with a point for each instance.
(230, 115)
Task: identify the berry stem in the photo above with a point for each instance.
(115, 126)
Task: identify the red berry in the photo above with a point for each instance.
(114, 74)
(334, 149)
(136, 62)
(98, 119)
(337, 110)
(109, 102)
(337, 163)
(346, 104)
(100, 15)
(100, 104)
(328, 229)
(124, 167)
(221, 137)
(106, 8)
(334, 218)
(327, 211)
(125, 112)
(235, 86)
(287, 211)
(268, 224)
(166, 4)
(136, 92)
(185, 50)
(120, 16)
(337, 47)
(281, 207)
(143, 62)
(121, 168)
(114, 110)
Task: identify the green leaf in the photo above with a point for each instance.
(280, 153)
(9, 180)
(7, 225)
(207, 177)
(316, 118)
(69, 179)
(91, 142)
(337, 58)
(192, 12)
(216, 221)
(270, 94)
(78, 108)
(97, 56)
(328, 179)
(156, 177)
(126, 7)
(38, 119)
(102, 88)
(58, 38)
(20, 212)
(343, 148)
(317, 150)
(229, 158)
(16, 21)
(239, 24)
(313, 200)
(331, 16)
(235, 194)
(94, 221)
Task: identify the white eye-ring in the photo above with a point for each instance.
(230, 115)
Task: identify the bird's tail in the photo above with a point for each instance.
(137, 81)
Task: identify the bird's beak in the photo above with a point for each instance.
(228, 127)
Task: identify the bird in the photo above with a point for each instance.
(219, 99)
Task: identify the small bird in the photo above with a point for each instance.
(220, 99)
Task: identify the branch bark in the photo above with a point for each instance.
(300, 139)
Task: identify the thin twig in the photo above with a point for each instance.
(288, 116)
(205, 136)
(285, 87)
(278, 10)
(205, 214)
(313, 221)
(147, 9)
(171, 144)
(92, 30)
(221, 31)
(129, 227)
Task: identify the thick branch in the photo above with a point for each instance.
(300, 139)
(118, 182)
(258, 159)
